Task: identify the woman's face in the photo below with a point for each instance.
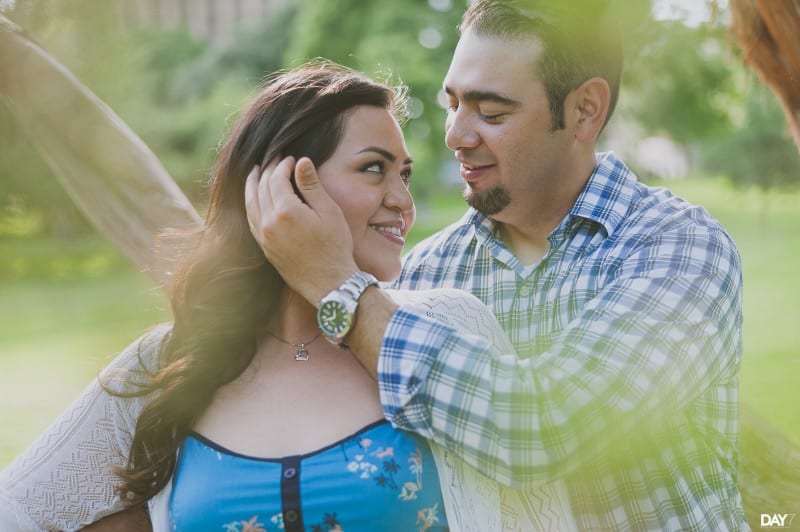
(368, 177)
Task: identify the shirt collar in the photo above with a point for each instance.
(605, 199)
(608, 193)
(484, 228)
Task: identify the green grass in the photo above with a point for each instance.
(56, 333)
(766, 229)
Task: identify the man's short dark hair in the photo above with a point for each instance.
(580, 39)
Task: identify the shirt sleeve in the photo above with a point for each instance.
(664, 329)
(64, 480)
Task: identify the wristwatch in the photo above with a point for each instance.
(337, 309)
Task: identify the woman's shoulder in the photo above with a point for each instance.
(140, 357)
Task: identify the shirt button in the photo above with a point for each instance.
(526, 290)
(290, 516)
(290, 472)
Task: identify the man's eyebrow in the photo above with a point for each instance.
(484, 96)
(386, 154)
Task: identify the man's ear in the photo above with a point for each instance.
(589, 108)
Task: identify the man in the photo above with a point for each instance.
(623, 302)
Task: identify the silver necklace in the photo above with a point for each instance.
(302, 353)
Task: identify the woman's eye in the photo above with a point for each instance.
(376, 168)
(405, 175)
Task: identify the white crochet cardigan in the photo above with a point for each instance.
(64, 480)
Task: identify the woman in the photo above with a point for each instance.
(237, 415)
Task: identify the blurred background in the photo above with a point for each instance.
(691, 117)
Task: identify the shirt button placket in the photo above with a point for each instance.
(526, 290)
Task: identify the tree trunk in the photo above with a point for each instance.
(768, 34)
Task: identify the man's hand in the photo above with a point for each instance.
(307, 239)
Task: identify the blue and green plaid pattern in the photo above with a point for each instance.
(625, 378)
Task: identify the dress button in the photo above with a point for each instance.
(290, 516)
(290, 472)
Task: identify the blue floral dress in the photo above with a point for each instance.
(377, 479)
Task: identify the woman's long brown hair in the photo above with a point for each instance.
(225, 291)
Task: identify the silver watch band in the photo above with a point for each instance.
(337, 310)
(357, 283)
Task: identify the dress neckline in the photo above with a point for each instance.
(211, 444)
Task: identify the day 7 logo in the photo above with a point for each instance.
(776, 520)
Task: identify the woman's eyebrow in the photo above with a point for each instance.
(386, 154)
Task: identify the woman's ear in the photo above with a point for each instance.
(591, 101)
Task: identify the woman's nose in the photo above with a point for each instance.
(398, 196)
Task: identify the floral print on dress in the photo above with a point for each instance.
(251, 525)
(427, 517)
(329, 524)
(277, 519)
(382, 461)
(372, 478)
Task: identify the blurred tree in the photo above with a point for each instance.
(28, 187)
(767, 35)
(687, 82)
(405, 39)
(176, 92)
(758, 151)
(680, 82)
(111, 175)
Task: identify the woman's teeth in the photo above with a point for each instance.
(387, 229)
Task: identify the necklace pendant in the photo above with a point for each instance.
(302, 353)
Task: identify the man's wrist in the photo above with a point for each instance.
(321, 286)
(336, 311)
(375, 310)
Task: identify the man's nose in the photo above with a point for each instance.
(460, 131)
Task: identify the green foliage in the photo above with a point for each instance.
(188, 70)
(387, 39)
(192, 89)
(759, 151)
(681, 82)
(174, 91)
(688, 84)
(31, 200)
(179, 93)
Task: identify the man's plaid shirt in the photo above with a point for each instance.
(625, 379)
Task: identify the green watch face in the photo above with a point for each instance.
(334, 319)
